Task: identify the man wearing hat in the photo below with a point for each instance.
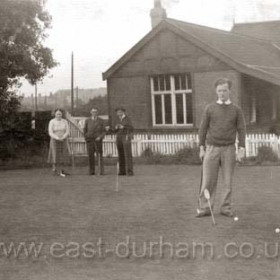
(124, 130)
(94, 133)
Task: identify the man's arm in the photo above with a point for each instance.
(204, 125)
(241, 128)
(127, 125)
(102, 130)
(203, 132)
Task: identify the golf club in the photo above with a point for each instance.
(117, 178)
(207, 196)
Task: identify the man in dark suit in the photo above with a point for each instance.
(124, 131)
(94, 133)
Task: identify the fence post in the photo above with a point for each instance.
(139, 146)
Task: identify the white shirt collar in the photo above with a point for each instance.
(219, 101)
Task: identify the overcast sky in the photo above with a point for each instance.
(100, 31)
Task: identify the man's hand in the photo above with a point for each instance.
(240, 154)
(201, 153)
(97, 139)
(119, 126)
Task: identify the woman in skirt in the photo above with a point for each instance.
(59, 146)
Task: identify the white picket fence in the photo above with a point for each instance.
(163, 144)
(166, 144)
(254, 141)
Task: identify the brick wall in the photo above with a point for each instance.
(167, 53)
(134, 95)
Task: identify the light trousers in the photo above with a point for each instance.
(217, 158)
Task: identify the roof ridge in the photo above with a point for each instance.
(230, 33)
(197, 25)
(257, 22)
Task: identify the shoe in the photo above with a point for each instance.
(201, 214)
(63, 173)
(91, 173)
(227, 213)
(121, 174)
(55, 173)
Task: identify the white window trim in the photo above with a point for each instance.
(173, 93)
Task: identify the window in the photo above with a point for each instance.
(172, 100)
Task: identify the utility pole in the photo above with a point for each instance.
(72, 83)
(36, 98)
(77, 97)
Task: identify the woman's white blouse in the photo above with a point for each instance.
(58, 128)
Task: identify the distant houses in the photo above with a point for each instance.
(166, 79)
(61, 99)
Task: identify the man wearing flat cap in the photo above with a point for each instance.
(124, 131)
(94, 132)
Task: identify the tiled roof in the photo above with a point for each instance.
(268, 30)
(256, 57)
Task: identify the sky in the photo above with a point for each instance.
(99, 32)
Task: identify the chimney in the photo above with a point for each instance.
(157, 13)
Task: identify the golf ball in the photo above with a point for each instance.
(236, 219)
(277, 230)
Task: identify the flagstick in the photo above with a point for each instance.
(117, 181)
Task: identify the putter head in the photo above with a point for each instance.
(206, 194)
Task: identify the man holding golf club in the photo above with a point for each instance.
(94, 132)
(221, 123)
(124, 130)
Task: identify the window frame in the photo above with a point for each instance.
(173, 92)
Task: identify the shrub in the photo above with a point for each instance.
(188, 156)
(266, 154)
(183, 156)
(147, 153)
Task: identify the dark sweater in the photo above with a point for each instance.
(221, 124)
(127, 131)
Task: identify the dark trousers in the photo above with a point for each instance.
(92, 148)
(125, 156)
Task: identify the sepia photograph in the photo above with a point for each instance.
(139, 139)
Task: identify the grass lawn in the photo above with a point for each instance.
(157, 205)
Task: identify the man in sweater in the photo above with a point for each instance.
(221, 123)
(94, 133)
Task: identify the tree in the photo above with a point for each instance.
(23, 25)
(98, 102)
